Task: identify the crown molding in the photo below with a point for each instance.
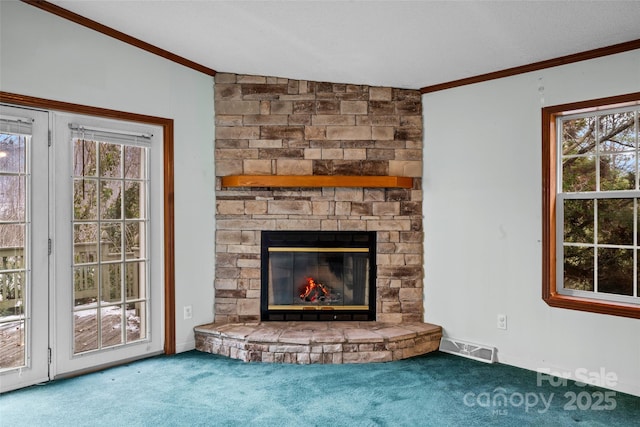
(549, 63)
(118, 35)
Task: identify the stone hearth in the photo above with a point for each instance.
(318, 342)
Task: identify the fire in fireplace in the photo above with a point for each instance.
(315, 292)
(318, 275)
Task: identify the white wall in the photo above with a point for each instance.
(48, 57)
(482, 208)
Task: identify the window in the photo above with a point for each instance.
(110, 229)
(591, 206)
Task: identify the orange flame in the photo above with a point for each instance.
(313, 290)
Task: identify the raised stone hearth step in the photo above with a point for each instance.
(318, 342)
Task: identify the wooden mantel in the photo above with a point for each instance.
(317, 181)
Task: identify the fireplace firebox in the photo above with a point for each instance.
(318, 275)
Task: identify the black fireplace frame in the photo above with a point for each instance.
(326, 239)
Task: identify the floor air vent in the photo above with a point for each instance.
(466, 349)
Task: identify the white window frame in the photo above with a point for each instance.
(598, 194)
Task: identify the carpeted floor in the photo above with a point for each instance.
(200, 389)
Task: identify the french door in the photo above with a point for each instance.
(92, 286)
(106, 229)
(24, 247)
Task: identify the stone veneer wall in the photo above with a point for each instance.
(268, 125)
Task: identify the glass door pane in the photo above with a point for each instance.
(13, 268)
(23, 247)
(109, 244)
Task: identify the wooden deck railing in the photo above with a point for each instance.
(12, 275)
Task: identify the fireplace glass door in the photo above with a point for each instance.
(318, 276)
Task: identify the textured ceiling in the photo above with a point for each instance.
(407, 44)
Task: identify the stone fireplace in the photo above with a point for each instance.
(298, 160)
(269, 126)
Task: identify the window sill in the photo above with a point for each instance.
(592, 305)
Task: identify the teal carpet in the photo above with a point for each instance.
(199, 389)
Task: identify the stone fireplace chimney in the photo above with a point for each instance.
(276, 126)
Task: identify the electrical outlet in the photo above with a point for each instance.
(188, 312)
(502, 321)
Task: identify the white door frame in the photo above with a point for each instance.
(64, 361)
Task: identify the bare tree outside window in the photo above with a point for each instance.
(600, 155)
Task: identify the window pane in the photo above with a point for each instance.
(12, 153)
(578, 268)
(85, 327)
(111, 326)
(85, 243)
(84, 158)
(12, 238)
(132, 197)
(12, 293)
(579, 174)
(111, 241)
(618, 172)
(110, 160)
(615, 221)
(110, 199)
(12, 258)
(134, 158)
(578, 221)
(136, 320)
(615, 271)
(617, 132)
(135, 280)
(12, 348)
(578, 136)
(85, 289)
(111, 282)
(134, 230)
(85, 199)
(12, 191)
